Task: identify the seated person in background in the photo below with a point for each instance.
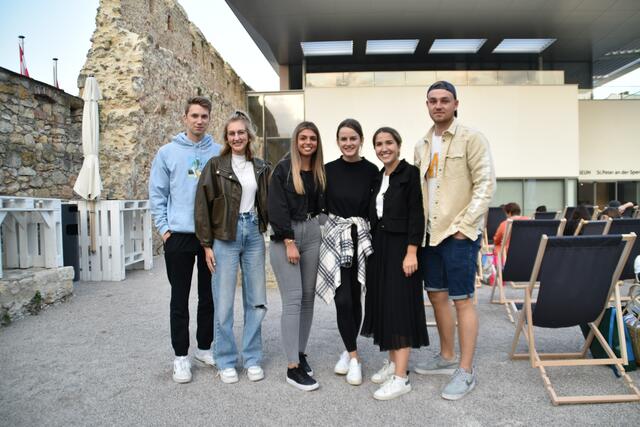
(581, 212)
(610, 212)
(619, 206)
(513, 212)
(541, 208)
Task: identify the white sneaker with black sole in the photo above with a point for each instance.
(182, 369)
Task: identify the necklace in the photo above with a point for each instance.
(236, 165)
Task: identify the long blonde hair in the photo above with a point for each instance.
(317, 162)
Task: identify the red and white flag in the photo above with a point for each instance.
(23, 63)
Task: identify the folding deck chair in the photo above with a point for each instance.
(545, 215)
(567, 213)
(626, 226)
(569, 269)
(515, 260)
(495, 216)
(593, 228)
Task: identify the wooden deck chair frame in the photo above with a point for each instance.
(542, 360)
(583, 223)
(510, 303)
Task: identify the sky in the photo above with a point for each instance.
(63, 29)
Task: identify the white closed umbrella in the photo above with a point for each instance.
(88, 184)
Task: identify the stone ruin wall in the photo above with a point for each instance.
(40, 138)
(148, 58)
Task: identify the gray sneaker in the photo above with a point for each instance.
(437, 365)
(461, 383)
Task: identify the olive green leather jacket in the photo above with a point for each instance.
(218, 199)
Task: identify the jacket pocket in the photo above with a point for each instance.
(218, 212)
(456, 165)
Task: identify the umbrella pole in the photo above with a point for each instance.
(92, 226)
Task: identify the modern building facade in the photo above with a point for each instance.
(552, 144)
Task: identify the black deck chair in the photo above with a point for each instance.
(569, 210)
(494, 217)
(570, 269)
(545, 215)
(626, 226)
(593, 228)
(515, 260)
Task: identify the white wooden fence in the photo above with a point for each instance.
(31, 232)
(121, 235)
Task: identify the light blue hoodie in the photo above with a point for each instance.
(173, 181)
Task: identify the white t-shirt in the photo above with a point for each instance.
(432, 176)
(244, 171)
(380, 196)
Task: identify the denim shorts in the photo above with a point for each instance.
(451, 266)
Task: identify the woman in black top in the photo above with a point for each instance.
(349, 184)
(394, 308)
(295, 199)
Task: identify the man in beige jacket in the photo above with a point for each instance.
(458, 182)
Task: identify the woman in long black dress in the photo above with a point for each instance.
(394, 308)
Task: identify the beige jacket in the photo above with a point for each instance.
(466, 184)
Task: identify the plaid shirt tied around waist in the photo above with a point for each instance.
(336, 251)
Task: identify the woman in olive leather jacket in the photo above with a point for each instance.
(231, 217)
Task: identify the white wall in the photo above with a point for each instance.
(609, 140)
(533, 130)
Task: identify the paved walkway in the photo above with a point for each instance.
(104, 358)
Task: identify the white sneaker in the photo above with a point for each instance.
(182, 369)
(384, 373)
(255, 373)
(354, 376)
(342, 367)
(229, 375)
(204, 356)
(395, 387)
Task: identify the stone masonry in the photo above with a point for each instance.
(148, 58)
(40, 138)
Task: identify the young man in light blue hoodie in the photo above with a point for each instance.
(172, 189)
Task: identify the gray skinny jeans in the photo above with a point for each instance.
(297, 284)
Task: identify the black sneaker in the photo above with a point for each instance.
(298, 378)
(304, 364)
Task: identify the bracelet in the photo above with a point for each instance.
(287, 241)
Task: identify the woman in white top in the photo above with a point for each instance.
(231, 215)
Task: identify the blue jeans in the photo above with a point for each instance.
(248, 251)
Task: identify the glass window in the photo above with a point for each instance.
(605, 191)
(454, 77)
(324, 80)
(361, 79)
(282, 113)
(483, 78)
(255, 104)
(420, 78)
(586, 193)
(548, 192)
(628, 191)
(516, 78)
(276, 149)
(507, 191)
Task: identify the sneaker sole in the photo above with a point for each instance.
(440, 371)
(181, 380)
(302, 386)
(392, 396)
(255, 378)
(459, 396)
(204, 362)
(340, 371)
(354, 382)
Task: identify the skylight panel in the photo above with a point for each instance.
(456, 45)
(330, 48)
(523, 45)
(391, 47)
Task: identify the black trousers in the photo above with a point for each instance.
(180, 253)
(347, 300)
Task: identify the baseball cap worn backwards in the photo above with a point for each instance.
(443, 85)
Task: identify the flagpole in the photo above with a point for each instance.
(55, 73)
(23, 64)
